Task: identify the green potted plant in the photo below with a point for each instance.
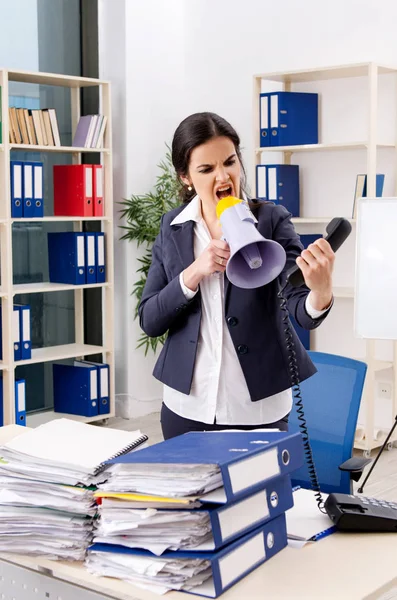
(142, 216)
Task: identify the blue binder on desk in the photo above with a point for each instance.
(231, 521)
(66, 257)
(90, 263)
(103, 383)
(16, 189)
(38, 187)
(293, 118)
(20, 402)
(100, 257)
(228, 565)
(279, 184)
(247, 460)
(75, 390)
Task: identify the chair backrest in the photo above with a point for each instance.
(331, 401)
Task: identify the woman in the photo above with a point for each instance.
(225, 361)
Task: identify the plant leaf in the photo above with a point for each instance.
(141, 216)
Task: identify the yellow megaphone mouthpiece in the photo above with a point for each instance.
(226, 203)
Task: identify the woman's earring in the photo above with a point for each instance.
(189, 188)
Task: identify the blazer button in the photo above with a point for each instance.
(242, 349)
(232, 321)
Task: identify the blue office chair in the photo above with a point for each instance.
(331, 400)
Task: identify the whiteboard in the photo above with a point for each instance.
(375, 302)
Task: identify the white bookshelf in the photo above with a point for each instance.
(8, 290)
(370, 144)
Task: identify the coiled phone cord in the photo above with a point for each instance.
(297, 395)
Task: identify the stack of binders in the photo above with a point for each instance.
(195, 513)
(288, 119)
(21, 332)
(26, 189)
(76, 257)
(78, 190)
(81, 388)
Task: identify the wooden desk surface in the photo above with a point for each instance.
(338, 567)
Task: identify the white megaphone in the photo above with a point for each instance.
(254, 261)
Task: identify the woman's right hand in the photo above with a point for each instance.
(213, 259)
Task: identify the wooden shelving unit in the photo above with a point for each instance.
(8, 290)
(369, 144)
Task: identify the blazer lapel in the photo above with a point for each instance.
(183, 239)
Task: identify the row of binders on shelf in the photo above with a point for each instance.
(76, 258)
(20, 402)
(288, 119)
(279, 184)
(81, 388)
(195, 513)
(78, 190)
(21, 332)
(27, 186)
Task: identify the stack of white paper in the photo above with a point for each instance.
(46, 506)
(156, 574)
(153, 530)
(67, 451)
(28, 530)
(170, 480)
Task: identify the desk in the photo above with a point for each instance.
(338, 567)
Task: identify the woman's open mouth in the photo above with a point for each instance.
(224, 192)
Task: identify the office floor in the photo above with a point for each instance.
(381, 484)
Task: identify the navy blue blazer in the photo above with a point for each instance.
(253, 316)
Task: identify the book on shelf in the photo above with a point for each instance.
(90, 131)
(33, 126)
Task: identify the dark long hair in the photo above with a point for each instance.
(195, 130)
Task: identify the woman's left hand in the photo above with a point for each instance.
(316, 264)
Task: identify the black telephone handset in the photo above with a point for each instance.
(350, 513)
(337, 231)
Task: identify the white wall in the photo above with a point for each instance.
(183, 57)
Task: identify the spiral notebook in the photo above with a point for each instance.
(68, 444)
